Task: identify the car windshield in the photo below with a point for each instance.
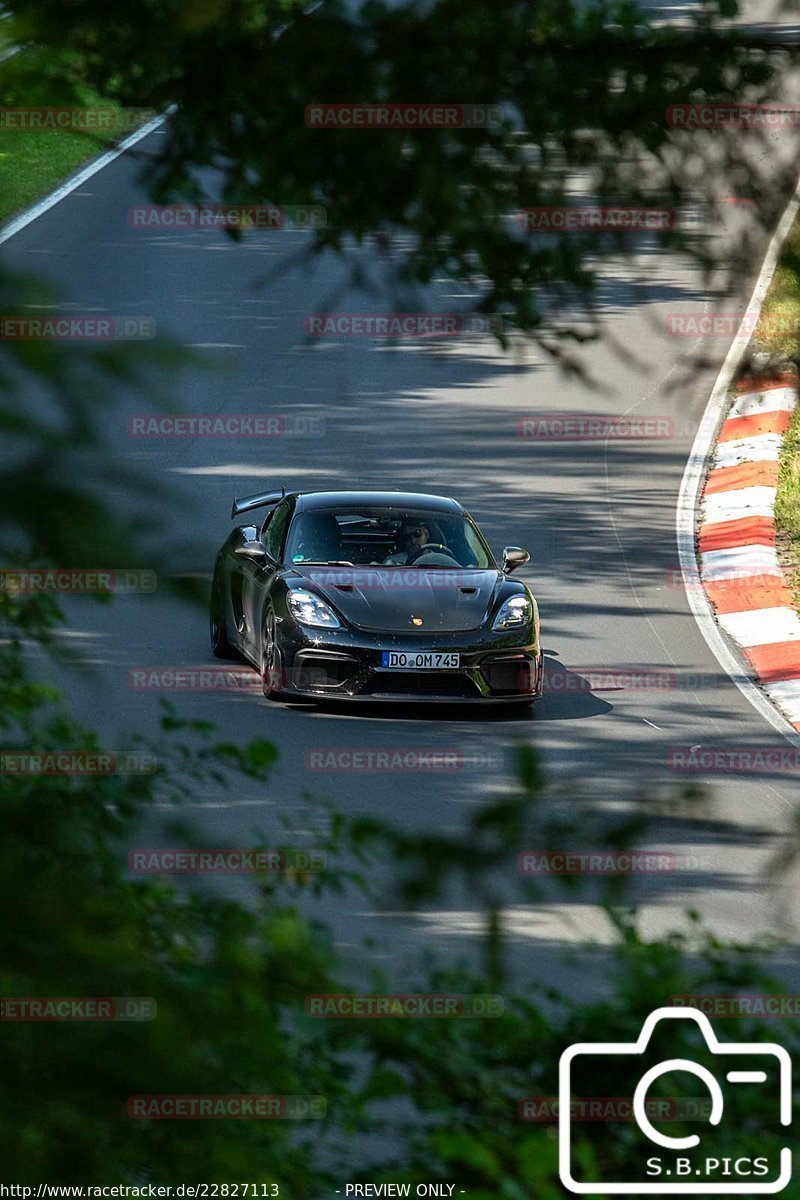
(386, 536)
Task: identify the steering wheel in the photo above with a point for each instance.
(429, 548)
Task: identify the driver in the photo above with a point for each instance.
(410, 537)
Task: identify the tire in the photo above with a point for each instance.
(270, 658)
(220, 646)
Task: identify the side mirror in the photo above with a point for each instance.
(513, 557)
(252, 550)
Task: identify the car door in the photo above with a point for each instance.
(258, 577)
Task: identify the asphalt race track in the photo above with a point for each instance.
(439, 415)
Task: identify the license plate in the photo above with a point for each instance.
(429, 660)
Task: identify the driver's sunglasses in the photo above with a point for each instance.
(416, 532)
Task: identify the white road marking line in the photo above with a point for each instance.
(44, 205)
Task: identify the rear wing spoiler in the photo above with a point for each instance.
(245, 503)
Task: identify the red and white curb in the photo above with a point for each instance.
(739, 566)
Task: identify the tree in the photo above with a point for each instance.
(230, 980)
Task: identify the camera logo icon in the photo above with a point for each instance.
(745, 1075)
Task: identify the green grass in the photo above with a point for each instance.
(778, 330)
(787, 503)
(33, 162)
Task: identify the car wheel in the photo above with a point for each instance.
(220, 646)
(270, 658)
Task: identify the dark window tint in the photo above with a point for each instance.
(276, 530)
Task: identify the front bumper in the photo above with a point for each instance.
(347, 664)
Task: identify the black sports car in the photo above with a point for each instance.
(374, 595)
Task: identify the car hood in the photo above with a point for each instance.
(386, 599)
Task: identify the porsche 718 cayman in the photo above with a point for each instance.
(374, 596)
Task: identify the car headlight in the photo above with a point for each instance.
(516, 611)
(308, 609)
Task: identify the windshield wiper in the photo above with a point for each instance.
(324, 562)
